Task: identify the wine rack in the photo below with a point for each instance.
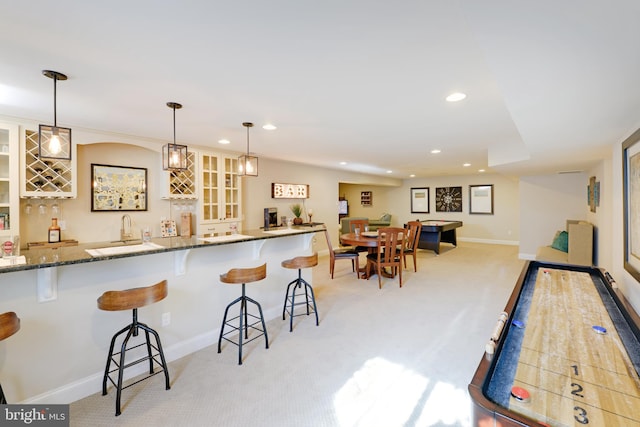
(43, 177)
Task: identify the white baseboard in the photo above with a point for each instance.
(489, 241)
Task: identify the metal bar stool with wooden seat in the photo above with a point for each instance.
(290, 297)
(9, 325)
(132, 299)
(243, 275)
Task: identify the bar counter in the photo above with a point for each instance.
(67, 255)
(58, 355)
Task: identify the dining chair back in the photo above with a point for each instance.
(390, 253)
(344, 253)
(413, 230)
(360, 225)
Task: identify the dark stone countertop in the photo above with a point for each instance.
(67, 255)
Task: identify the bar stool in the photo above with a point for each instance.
(290, 297)
(132, 299)
(9, 325)
(243, 275)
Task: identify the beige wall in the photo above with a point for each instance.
(501, 227)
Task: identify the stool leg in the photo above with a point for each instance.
(146, 335)
(121, 369)
(3, 400)
(313, 300)
(109, 358)
(224, 321)
(243, 308)
(286, 298)
(148, 330)
(264, 326)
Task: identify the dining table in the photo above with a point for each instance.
(368, 240)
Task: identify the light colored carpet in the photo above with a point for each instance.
(390, 357)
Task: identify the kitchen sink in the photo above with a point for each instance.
(125, 249)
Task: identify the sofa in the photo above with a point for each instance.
(578, 242)
(374, 224)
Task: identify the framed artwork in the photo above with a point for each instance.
(420, 200)
(481, 199)
(168, 228)
(118, 188)
(631, 201)
(448, 199)
(593, 194)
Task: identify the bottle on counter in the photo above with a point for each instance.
(54, 231)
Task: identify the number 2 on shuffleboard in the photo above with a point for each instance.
(580, 414)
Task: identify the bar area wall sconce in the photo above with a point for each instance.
(174, 156)
(54, 142)
(289, 191)
(247, 164)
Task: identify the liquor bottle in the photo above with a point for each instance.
(54, 231)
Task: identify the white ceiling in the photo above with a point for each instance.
(550, 84)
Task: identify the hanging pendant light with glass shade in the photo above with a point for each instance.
(174, 156)
(54, 142)
(247, 165)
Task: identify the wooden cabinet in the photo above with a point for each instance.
(182, 185)
(9, 178)
(42, 177)
(220, 194)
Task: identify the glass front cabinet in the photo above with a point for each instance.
(220, 201)
(9, 178)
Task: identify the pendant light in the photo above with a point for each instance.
(54, 142)
(247, 165)
(174, 156)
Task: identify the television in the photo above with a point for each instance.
(343, 207)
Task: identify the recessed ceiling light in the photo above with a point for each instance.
(456, 96)
(224, 141)
(389, 171)
(466, 165)
(269, 126)
(480, 170)
(343, 163)
(435, 151)
(413, 175)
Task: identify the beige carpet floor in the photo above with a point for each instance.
(390, 357)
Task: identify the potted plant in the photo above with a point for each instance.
(297, 211)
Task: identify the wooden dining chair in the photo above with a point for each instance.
(359, 224)
(390, 253)
(344, 253)
(412, 232)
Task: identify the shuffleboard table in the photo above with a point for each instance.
(565, 352)
(435, 231)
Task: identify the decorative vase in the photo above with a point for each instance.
(297, 220)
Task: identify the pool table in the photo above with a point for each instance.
(565, 351)
(435, 231)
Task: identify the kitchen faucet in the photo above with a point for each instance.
(125, 228)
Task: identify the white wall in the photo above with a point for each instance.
(546, 202)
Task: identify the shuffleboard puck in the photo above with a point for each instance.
(520, 394)
(600, 329)
(518, 324)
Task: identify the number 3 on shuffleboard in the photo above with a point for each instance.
(581, 415)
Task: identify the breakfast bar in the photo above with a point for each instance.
(55, 292)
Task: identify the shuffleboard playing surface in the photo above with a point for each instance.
(567, 355)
